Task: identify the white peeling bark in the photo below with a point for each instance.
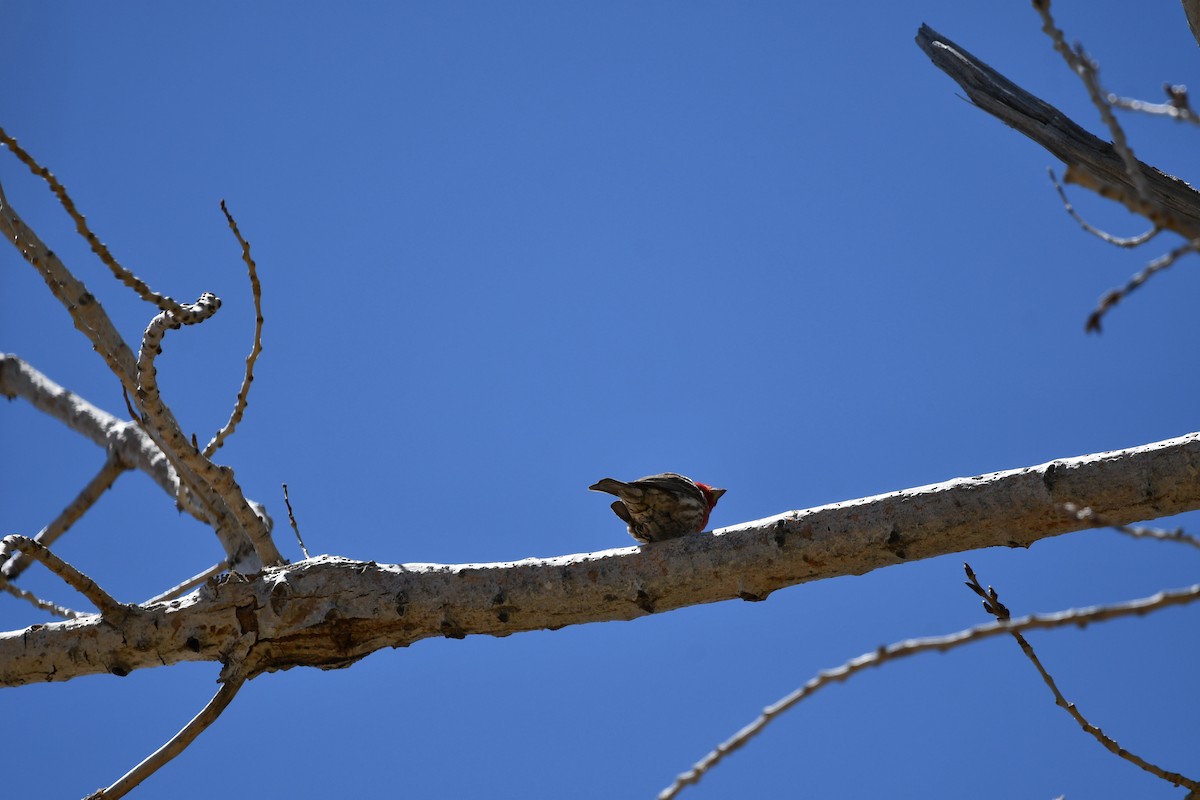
(329, 612)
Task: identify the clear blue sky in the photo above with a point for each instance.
(508, 249)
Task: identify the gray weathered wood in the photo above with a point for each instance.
(1091, 161)
(329, 612)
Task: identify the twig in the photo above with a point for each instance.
(1086, 514)
(1076, 616)
(97, 486)
(292, 518)
(239, 406)
(177, 743)
(1177, 106)
(105, 602)
(1115, 296)
(126, 277)
(195, 580)
(1087, 70)
(44, 605)
(992, 604)
(1118, 241)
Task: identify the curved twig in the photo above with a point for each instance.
(239, 406)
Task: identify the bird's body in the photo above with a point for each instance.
(660, 507)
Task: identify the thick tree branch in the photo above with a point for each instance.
(329, 612)
(1091, 162)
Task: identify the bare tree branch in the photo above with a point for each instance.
(113, 611)
(1114, 296)
(126, 277)
(1077, 616)
(37, 602)
(178, 743)
(127, 440)
(191, 583)
(212, 487)
(292, 519)
(239, 406)
(1104, 236)
(329, 612)
(89, 316)
(1087, 70)
(96, 487)
(1177, 106)
(1091, 162)
(1136, 531)
(226, 496)
(992, 604)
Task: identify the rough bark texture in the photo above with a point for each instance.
(1092, 162)
(329, 612)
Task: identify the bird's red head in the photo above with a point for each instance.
(711, 496)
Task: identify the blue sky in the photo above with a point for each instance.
(508, 249)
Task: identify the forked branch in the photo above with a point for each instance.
(911, 647)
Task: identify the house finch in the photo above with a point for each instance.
(659, 507)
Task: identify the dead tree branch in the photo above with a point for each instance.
(238, 525)
(239, 405)
(86, 498)
(178, 743)
(125, 439)
(992, 604)
(112, 611)
(329, 612)
(1091, 162)
(911, 647)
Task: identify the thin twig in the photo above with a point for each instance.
(44, 605)
(163, 302)
(1177, 107)
(1088, 72)
(190, 583)
(993, 606)
(1075, 616)
(1118, 241)
(1115, 296)
(177, 743)
(105, 602)
(1137, 531)
(97, 486)
(292, 518)
(239, 406)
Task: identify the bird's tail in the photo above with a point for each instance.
(608, 485)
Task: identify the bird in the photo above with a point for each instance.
(659, 507)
